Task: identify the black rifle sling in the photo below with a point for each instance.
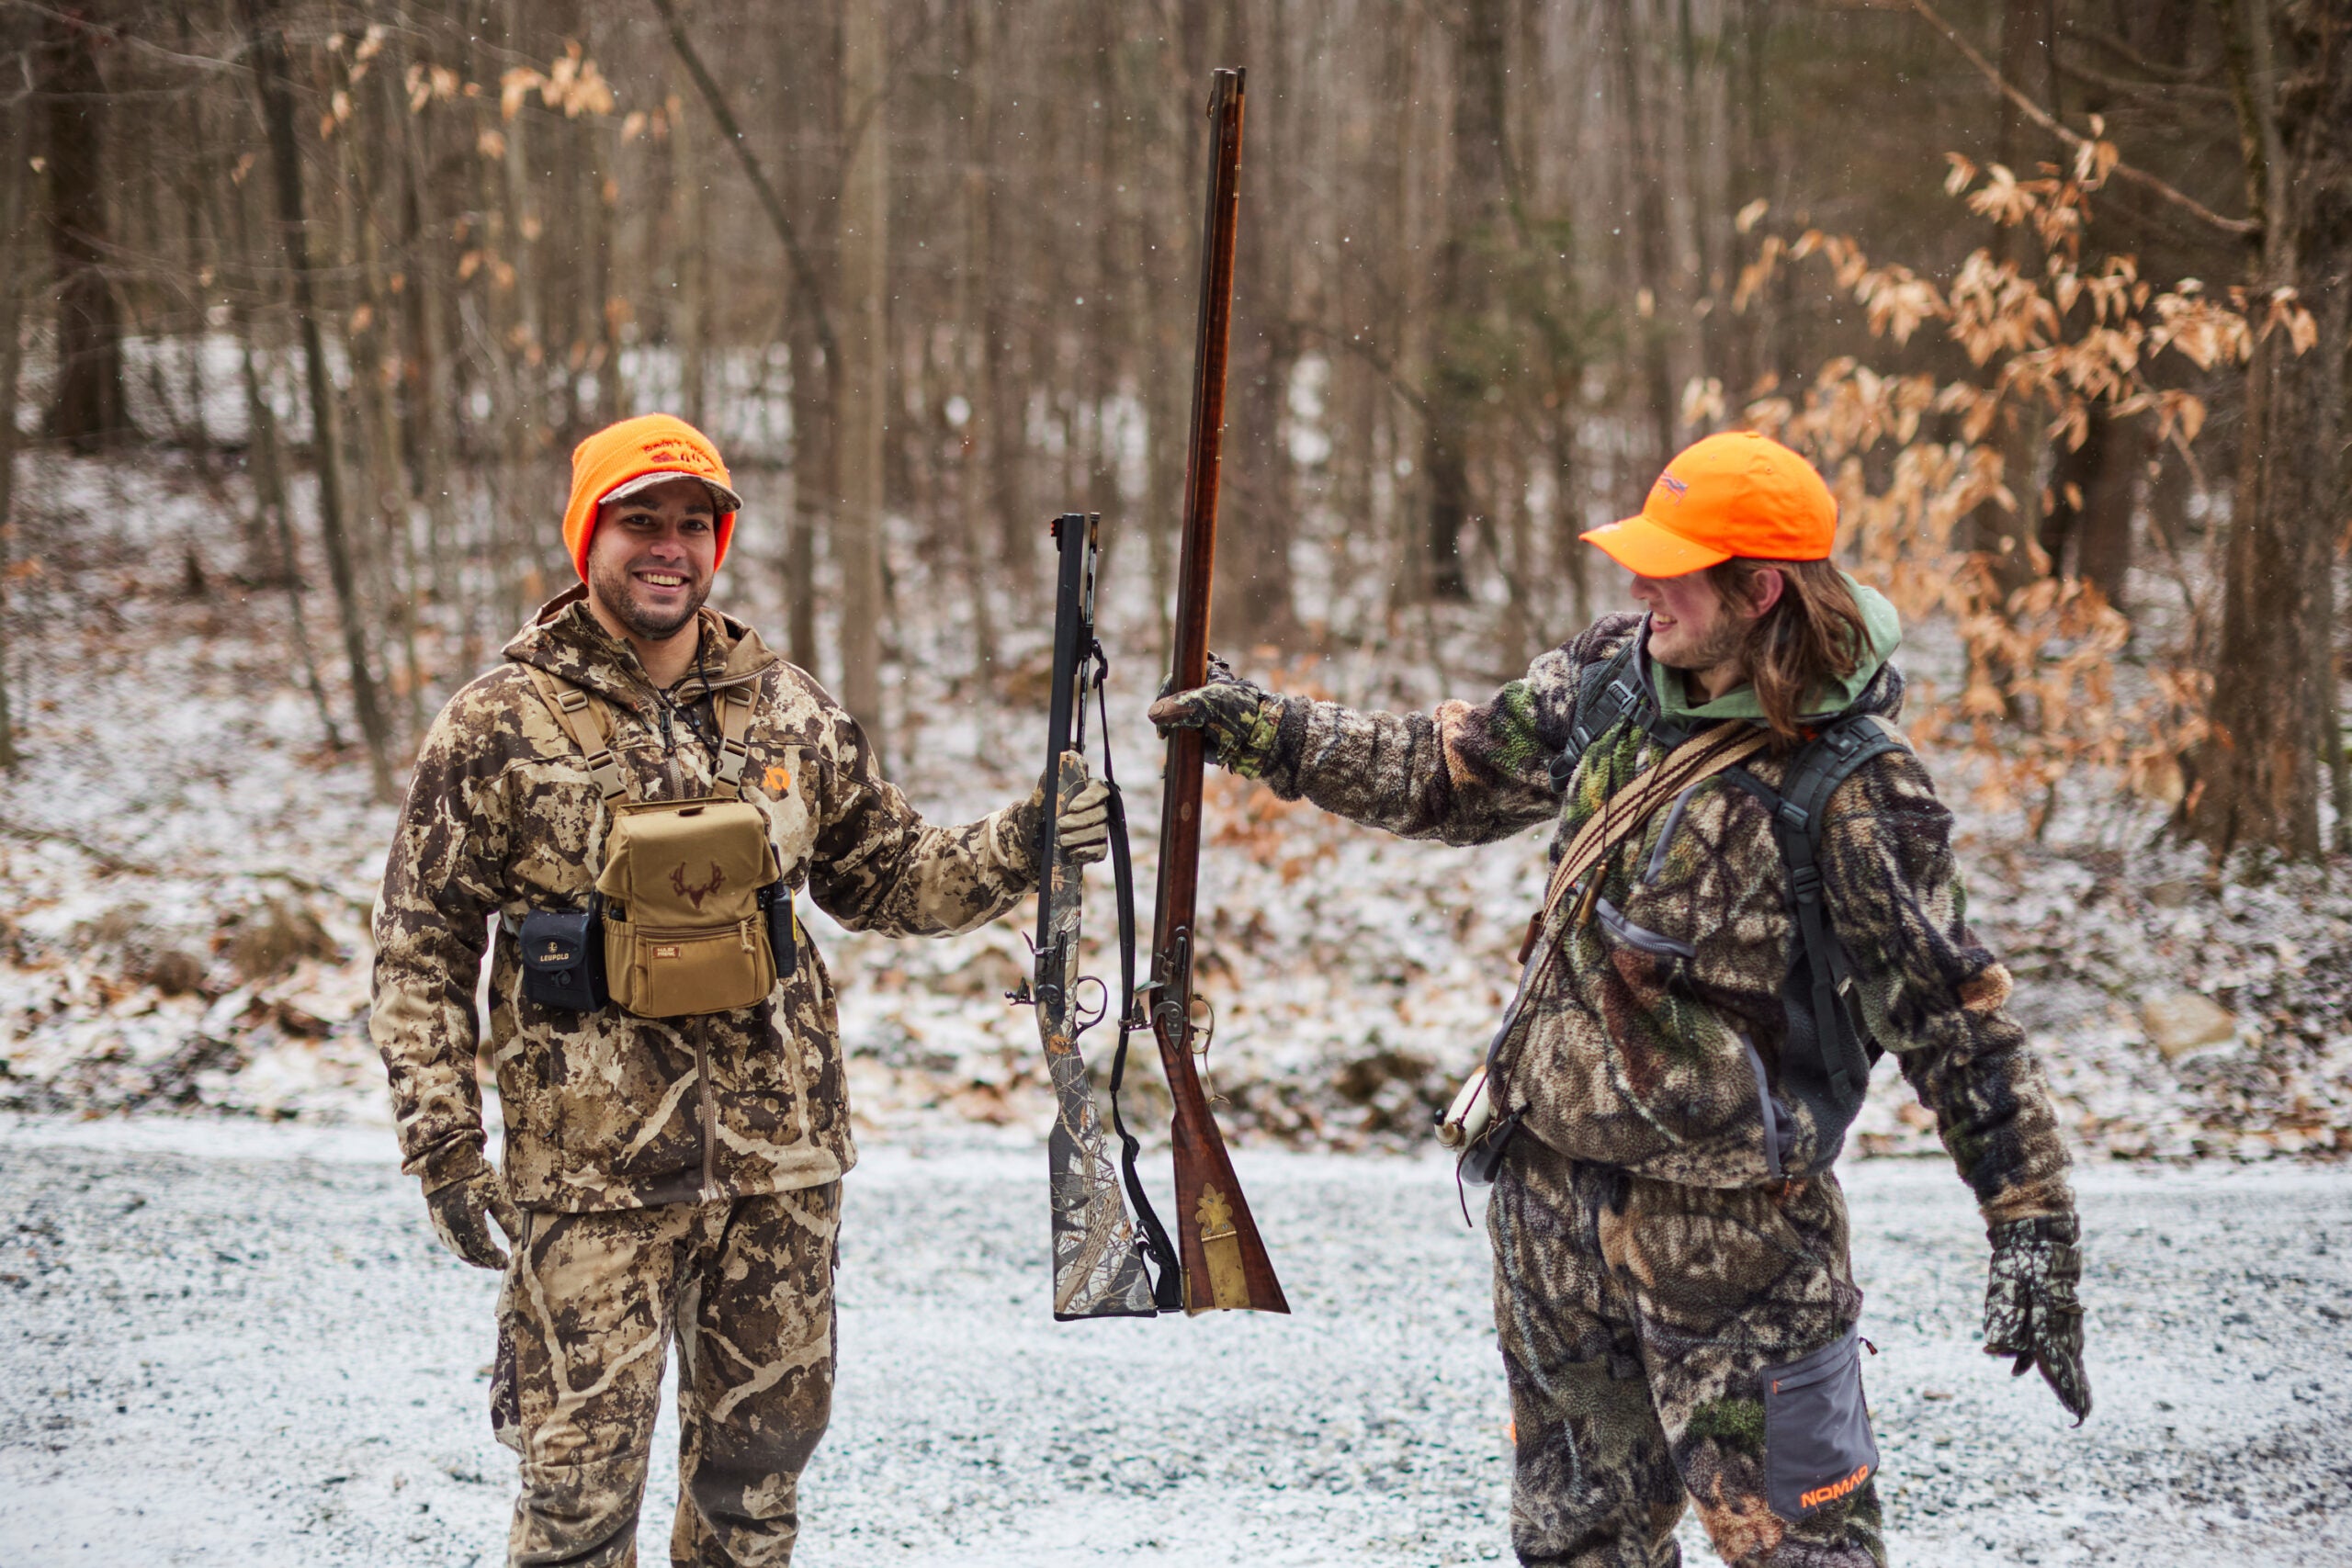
(1814, 774)
(1607, 694)
(1168, 1271)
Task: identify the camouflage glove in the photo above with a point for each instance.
(2029, 1307)
(1236, 719)
(1083, 829)
(463, 1194)
(1082, 833)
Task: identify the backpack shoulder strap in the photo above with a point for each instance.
(1607, 692)
(735, 704)
(583, 719)
(1822, 765)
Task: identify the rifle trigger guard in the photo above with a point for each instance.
(1082, 1021)
(1204, 1033)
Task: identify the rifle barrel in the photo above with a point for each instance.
(1076, 536)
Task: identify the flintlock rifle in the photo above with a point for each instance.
(1225, 1264)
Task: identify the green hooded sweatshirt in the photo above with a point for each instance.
(1881, 626)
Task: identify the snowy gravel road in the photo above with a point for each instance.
(238, 1343)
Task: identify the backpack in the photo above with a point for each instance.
(1828, 1052)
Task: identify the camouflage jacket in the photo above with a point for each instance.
(1655, 1046)
(606, 1110)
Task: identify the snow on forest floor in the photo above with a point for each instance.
(186, 875)
(232, 1342)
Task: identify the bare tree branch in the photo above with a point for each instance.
(2156, 69)
(811, 298)
(2075, 139)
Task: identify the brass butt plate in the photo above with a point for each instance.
(1221, 1246)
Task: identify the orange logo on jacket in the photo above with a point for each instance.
(1835, 1490)
(778, 780)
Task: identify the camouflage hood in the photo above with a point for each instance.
(1882, 634)
(606, 1110)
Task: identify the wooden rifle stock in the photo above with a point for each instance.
(1225, 1263)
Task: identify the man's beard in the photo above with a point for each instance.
(1721, 646)
(613, 585)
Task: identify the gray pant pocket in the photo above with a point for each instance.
(1817, 1444)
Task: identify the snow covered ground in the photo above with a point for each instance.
(232, 1342)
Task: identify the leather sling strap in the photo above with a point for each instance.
(1624, 813)
(1620, 817)
(583, 717)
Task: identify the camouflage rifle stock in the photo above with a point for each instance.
(1225, 1264)
(1098, 1262)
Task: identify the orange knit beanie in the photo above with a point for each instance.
(652, 447)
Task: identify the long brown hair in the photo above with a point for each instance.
(1813, 635)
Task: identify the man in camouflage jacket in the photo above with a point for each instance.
(661, 1176)
(1673, 1292)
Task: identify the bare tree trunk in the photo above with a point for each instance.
(194, 265)
(371, 346)
(2332, 737)
(611, 305)
(814, 409)
(2088, 531)
(865, 349)
(278, 113)
(1459, 378)
(1253, 593)
(690, 322)
(86, 407)
(270, 553)
(15, 282)
(431, 386)
(2257, 779)
(969, 381)
(2007, 536)
(1646, 210)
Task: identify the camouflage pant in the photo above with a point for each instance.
(589, 1305)
(1640, 1323)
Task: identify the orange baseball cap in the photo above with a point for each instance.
(1735, 494)
(635, 455)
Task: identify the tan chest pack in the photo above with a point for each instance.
(686, 922)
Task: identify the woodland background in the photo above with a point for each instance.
(306, 303)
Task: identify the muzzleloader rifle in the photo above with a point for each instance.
(1225, 1264)
(1098, 1260)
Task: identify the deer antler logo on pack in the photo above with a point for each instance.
(694, 895)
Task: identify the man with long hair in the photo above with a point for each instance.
(1670, 1089)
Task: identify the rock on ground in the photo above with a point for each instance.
(232, 1342)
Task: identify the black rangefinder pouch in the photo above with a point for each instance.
(563, 957)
